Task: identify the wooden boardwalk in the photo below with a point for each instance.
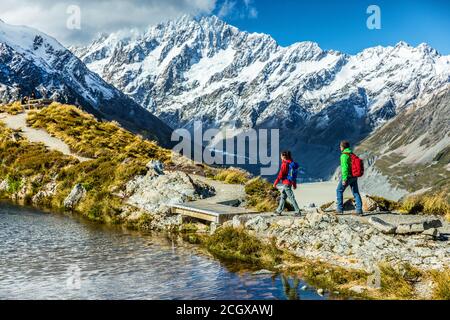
(209, 211)
(36, 104)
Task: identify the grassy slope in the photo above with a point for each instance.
(118, 156)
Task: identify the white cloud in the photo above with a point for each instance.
(97, 16)
(234, 8)
(227, 8)
(105, 16)
(253, 13)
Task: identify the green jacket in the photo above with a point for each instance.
(345, 164)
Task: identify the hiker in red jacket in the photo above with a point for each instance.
(288, 177)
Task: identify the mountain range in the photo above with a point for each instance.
(31, 61)
(205, 69)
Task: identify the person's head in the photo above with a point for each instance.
(286, 155)
(344, 145)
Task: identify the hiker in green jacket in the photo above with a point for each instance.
(347, 180)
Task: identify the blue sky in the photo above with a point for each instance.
(341, 24)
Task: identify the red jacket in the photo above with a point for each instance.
(282, 175)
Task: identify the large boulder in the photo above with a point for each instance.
(382, 225)
(155, 192)
(369, 205)
(76, 194)
(418, 226)
(331, 206)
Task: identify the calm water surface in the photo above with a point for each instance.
(52, 256)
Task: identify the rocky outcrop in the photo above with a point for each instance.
(74, 197)
(419, 225)
(346, 241)
(156, 191)
(46, 192)
(382, 225)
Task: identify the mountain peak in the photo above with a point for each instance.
(212, 19)
(402, 44)
(426, 48)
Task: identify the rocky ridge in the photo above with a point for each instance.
(345, 241)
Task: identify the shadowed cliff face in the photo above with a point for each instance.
(412, 151)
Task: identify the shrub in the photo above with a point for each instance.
(396, 283)
(435, 203)
(441, 281)
(438, 204)
(144, 222)
(14, 183)
(232, 176)
(411, 205)
(236, 245)
(12, 108)
(261, 195)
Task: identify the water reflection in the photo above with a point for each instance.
(291, 291)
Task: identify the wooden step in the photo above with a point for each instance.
(212, 212)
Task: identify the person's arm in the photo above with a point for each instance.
(344, 167)
(281, 174)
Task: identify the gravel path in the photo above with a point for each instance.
(18, 121)
(224, 191)
(318, 193)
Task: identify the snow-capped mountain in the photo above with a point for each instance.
(205, 69)
(33, 61)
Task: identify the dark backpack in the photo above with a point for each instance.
(357, 165)
(292, 171)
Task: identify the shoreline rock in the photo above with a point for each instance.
(75, 196)
(156, 190)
